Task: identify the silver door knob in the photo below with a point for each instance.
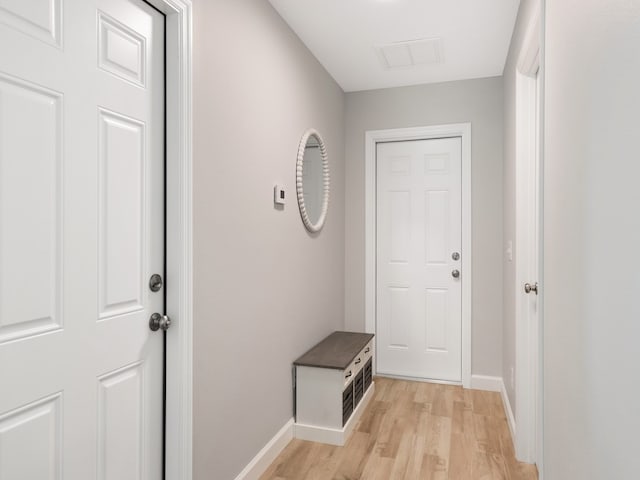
(455, 273)
(528, 288)
(159, 322)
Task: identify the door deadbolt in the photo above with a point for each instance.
(159, 322)
(455, 256)
(155, 282)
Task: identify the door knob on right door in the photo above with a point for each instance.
(455, 273)
(159, 322)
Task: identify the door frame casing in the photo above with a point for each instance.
(179, 256)
(373, 137)
(528, 347)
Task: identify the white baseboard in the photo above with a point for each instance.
(511, 420)
(268, 454)
(334, 436)
(487, 383)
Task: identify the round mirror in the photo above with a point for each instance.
(312, 180)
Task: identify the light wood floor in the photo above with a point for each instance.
(414, 431)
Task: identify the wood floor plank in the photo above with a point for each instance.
(327, 460)
(403, 457)
(482, 402)
(461, 455)
(487, 466)
(376, 411)
(414, 431)
(425, 392)
(443, 401)
(487, 434)
(377, 468)
(462, 419)
(439, 436)
(414, 464)
(352, 465)
(433, 468)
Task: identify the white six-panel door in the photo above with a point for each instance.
(419, 217)
(81, 231)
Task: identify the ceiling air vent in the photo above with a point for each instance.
(426, 51)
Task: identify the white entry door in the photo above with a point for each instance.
(419, 238)
(81, 231)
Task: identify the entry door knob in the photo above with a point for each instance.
(159, 322)
(528, 288)
(455, 273)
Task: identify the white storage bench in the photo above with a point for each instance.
(333, 386)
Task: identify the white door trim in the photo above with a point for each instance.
(179, 217)
(528, 337)
(372, 137)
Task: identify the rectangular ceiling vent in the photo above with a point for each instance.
(426, 51)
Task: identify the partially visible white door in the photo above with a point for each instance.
(81, 231)
(419, 238)
(528, 272)
(536, 261)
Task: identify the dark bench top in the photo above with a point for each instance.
(336, 351)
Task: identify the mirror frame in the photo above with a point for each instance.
(309, 225)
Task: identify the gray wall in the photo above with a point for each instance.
(265, 290)
(592, 233)
(475, 101)
(525, 14)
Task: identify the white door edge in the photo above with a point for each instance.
(525, 341)
(372, 137)
(528, 339)
(179, 217)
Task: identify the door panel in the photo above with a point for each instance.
(121, 50)
(399, 318)
(122, 155)
(419, 216)
(121, 439)
(81, 231)
(36, 429)
(436, 318)
(30, 128)
(436, 226)
(37, 18)
(400, 225)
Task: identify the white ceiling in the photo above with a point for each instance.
(466, 38)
